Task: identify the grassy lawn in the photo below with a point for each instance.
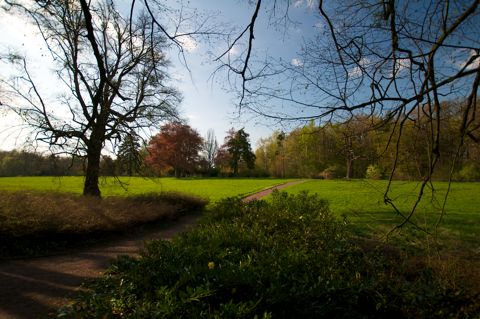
(208, 188)
(361, 201)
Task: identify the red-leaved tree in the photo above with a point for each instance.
(176, 148)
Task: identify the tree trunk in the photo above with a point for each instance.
(349, 168)
(92, 173)
(235, 169)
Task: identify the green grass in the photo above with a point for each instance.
(361, 201)
(208, 188)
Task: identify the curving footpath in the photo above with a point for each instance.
(31, 288)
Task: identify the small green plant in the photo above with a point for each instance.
(373, 172)
(331, 172)
(288, 257)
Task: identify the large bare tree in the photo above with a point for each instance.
(114, 71)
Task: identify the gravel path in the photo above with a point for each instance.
(31, 288)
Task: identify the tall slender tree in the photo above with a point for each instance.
(129, 155)
(210, 149)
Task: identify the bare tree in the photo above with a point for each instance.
(210, 148)
(114, 71)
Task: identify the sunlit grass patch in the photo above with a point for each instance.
(361, 201)
(212, 189)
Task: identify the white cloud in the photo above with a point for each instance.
(358, 69)
(308, 3)
(296, 62)
(234, 51)
(188, 43)
(297, 3)
(402, 64)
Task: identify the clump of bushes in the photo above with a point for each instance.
(288, 257)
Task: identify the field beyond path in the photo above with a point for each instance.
(33, 287)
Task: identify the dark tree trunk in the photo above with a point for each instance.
(349, 168)
(235, 169)
(92, 173)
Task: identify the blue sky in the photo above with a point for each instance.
(206, 103)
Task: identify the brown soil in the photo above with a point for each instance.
(34, 287)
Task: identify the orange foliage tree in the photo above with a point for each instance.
(176, 148)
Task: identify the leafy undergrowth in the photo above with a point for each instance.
(33, 223)
(285, 258)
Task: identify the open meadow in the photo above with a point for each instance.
(211, 189)
(361, 202)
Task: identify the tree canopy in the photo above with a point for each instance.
(236, 151)
(380, 59)
(177, 147)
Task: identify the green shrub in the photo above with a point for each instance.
(332, 172)
(285, 258)
(373, 172)
(469, 172)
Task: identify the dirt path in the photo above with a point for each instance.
(30, 288)
(268, 191)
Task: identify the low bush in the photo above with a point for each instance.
(373, 172)
(285, 258)
(332, 172)
(469, 172)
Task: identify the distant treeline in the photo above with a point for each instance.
(25, 163)
(364, 146)
(368, 146)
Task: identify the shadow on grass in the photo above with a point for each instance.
(34, 223)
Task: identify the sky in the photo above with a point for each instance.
(207, 104)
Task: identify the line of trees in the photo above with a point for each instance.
(363, 146)
(177, 150)
(24, 163)
(369, 146)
